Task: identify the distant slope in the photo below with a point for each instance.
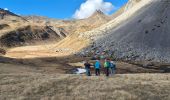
(31, 35)
(77, 27)
(15, 31)
(73, 26)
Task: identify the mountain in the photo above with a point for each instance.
(31, 30)
(96, 19)
(17, 31)
(98, 14)
(74, 25)
(140, 34)
(82, 26)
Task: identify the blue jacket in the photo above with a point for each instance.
(97, 65)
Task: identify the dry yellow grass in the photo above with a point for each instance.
(68, 46)
(73, 87)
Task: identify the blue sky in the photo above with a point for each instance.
(61, 9)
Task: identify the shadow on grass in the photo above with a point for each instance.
(61, 65)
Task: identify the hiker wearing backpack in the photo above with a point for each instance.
(107, 66)
(87, 67)
(97, 67)
(112, 67)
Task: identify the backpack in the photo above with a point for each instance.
(107, 64)
(113, 66)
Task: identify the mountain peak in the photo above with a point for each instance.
(5, 12)
(98, 12)
(2, 11)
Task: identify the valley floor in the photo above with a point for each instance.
(46, 50)
(38, 78)
(28, 81)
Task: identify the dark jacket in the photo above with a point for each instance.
(87, 65)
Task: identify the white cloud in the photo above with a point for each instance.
(6, 9)
(90, 6)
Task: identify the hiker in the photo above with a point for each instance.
(107, 66)
(112, 67)
(87, 67)
(97, 67)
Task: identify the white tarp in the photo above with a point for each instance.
(80, 71)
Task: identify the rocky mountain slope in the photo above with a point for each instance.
(140, 34)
